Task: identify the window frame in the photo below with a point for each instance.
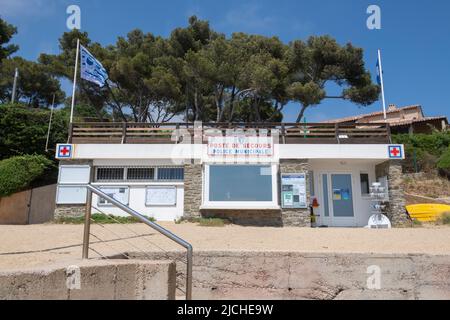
(368, 184)
(274, 204)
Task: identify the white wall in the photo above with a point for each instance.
(136, 201)
(178, 152)
(361, 204)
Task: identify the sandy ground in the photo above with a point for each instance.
(28, 246)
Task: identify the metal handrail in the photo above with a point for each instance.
(91, 189)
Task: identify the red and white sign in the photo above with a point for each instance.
(395, 152)
(240, 146)
(64, 151)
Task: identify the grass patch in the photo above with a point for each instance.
(99, 218)
(416, 223)
(444, 219)
(205, 222)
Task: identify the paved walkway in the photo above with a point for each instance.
(28, 246)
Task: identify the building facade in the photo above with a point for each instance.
(250, 174)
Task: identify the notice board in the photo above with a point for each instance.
(293, 190)
(161, 196)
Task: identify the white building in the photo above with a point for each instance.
(251, 174)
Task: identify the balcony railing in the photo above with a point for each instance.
(173, 133)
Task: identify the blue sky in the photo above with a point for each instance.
(414, 37)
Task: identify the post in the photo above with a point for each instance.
(189, 273)
(380, 70)
(16, 76)
(50, 123)
(87, 224)
(74, 80)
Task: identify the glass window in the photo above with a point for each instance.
(240, 183)
(110, 174)
(140, 173)
(170, 173)
(364, 178)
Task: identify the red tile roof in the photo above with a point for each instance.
(360, 116)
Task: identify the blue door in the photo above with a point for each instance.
(342, 196)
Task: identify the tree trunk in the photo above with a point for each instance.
(300, 115)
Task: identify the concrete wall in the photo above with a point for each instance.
(99, 279)
(28, 207)
(296, 275)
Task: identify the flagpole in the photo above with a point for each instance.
(382, 84)
(13, 95)
(50, 123)
(74, 81)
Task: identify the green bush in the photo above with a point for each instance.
(444, 160)
(18, 173)
(23, 130)
(427, 149)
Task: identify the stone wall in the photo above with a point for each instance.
(295, 217)
(70, 210)
(192, 189)
(395, 210)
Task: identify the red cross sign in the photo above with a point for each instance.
(64, 151)
(395, 152)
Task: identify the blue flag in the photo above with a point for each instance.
(91, 69)
(379, 71)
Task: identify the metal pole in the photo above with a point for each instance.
(13, 96)
(87, 224)
(382, 84)
(50, 123)
(74, 81)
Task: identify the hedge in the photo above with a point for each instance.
(18, 173)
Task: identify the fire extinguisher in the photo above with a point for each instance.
(315, 204)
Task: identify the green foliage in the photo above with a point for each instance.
(444, 219)
(427, 149)
(99, 218)
(35, 86)
(204, 222)
(6, 33)
(18, 173)
(24, 130)
(203, 75)
(444, 160)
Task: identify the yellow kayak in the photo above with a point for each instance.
(427, 212)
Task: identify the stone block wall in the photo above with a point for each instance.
(395, 210)
(295, 217)
(192, 189)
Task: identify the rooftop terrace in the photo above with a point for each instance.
(173, 133)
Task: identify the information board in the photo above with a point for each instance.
(118, 193)
(161, 196)
(293, 190)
